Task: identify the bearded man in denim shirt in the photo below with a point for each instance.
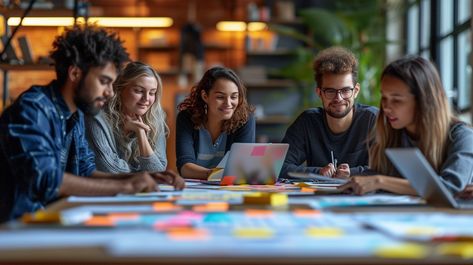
(43, 151)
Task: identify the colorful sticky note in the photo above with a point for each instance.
(100, 221)
(124, 216)
(462, 249)
(258, 151)
(265, 198)
(41, 217)
(422, 231)
(172, 224)
(324, 232)
(212, 207)
(227, 180)
(188, 234)
(165, 207)
(306, 213)
(308, 190)
(259, 213)
(402, 251)
(253, 233)
(216, 174)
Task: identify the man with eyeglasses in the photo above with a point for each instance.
(337, 131)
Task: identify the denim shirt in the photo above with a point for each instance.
(40, 139)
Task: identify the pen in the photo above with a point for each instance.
(331, 154)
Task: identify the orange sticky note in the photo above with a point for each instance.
(308, 190)
(123, 216)
(212, 207)
(258, 213)
(227, 180)
(100, 221)
(172, 224)
(183, 234)
(258, 151)
(165, 207)
(306, 212)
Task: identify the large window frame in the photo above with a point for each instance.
(440, 30)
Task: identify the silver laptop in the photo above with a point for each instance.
(255, 163)
(413, 166)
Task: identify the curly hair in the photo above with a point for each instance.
(86, 47)
(196, 105)
(335, 60)
(155, 117)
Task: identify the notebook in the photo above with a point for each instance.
(413, 166)
(253, 163)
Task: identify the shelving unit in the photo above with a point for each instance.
(172, 50)
(7, 67)
(276, 99)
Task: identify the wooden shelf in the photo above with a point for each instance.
(209, 46)
(270, 84)
(26, 67)
(274, 119)
(55, 12)
(217, 46)
(158, 47)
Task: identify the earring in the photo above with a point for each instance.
(205, 108)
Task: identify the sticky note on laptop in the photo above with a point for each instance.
(216, 174)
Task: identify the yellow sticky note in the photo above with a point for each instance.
(402, 251)
(41, 217)
(324, 232)
(421, 231)
(263, 198)
(462, 249)
(256, 233)
(216, 174)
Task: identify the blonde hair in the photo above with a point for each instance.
(432, 117)
(155, 117)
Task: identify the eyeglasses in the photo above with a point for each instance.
(331, 93)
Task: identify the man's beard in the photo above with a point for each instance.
(338, 115)
(82, 102)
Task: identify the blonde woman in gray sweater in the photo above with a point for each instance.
(130, 134)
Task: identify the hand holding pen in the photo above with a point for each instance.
(332, 170)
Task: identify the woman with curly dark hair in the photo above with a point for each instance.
(215, 115)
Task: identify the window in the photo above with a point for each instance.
(464, 71)
(440, 31)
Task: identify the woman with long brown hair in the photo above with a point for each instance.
(414, 112)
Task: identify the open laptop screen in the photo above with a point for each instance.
(255, 163)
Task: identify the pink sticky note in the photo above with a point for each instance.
(258, 151)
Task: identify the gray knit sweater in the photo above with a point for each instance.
(109, 158)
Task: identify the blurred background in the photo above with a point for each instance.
(270, 43)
